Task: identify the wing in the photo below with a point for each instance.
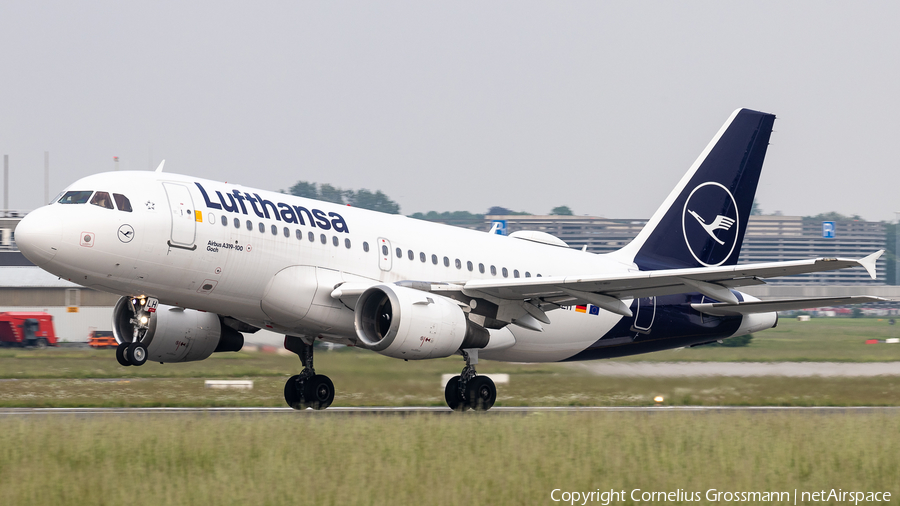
(608, 291)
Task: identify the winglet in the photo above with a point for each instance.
(159, 169)
(869, 262)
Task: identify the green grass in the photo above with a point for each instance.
(316, 458)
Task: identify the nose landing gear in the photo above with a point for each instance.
(469, 391)
(307, 389)
(135, 352)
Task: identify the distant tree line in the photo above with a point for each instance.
(364, 199)
(378, 201)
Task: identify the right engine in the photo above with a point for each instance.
(411, 324)
(176, 334)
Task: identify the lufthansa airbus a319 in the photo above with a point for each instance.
(198, 263)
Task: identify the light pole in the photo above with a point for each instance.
(897, 250)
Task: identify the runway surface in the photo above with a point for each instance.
(435, 410)
(742, 369)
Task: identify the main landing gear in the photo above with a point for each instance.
(307, 389)
(468, 391)
(135, 352)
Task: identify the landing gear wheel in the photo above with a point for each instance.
(451, 395)
(120, 354)
(293, 393)
(136, 354)
(319, 392)
(481, 393)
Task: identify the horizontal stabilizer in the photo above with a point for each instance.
(767, 306)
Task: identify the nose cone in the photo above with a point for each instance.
(39, 234)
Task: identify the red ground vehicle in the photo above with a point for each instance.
(27, 329)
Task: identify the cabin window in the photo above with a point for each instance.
(75, 197)
(312, 237)
(250, 225)
(299, 235)
(515, 273)
(101, 199)
(334, 240)
(237, 223)
(366, 247)
(538, 275)
(481, 268)
(262, 228)
(410, 254)
(434, 259)
(458, 264)
(287, 232)
(527, 274)
(347, 244)
(505, 272)
(224, 221)
(275, 230)
(122, 202)
(399, 253)
(469, 265)
(323, 239)
(384, 250)
(422, 257)
(493, 271)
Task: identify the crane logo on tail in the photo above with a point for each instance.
(720, 223)
(709, 218)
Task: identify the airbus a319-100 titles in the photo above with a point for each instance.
(198, 263)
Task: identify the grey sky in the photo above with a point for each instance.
(460, 105)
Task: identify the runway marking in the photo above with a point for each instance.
(741, 369)
(434, 409)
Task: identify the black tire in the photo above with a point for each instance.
(481, 393)
(136, 354)
(293, 393)
(319, 392)
(120, 354)
(41, 343)
(451, 394)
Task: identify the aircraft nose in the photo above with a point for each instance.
(38, 235)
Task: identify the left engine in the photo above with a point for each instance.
(176, 334)
(405, 323)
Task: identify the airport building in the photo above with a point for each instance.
(768, 239)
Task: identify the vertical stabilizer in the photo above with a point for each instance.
(702, 222)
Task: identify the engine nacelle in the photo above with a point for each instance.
(176, 334)
(411, 324)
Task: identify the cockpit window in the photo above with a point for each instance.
(122, 202)
(101, 199)
(75, 197)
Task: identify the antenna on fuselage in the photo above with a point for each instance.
(159, 169)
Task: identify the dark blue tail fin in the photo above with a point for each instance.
(702, 222)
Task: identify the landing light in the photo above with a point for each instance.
(143, 319)
(658, 399)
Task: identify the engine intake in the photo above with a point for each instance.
(176, 334)
(412, 324)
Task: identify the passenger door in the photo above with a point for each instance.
(182, 213)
